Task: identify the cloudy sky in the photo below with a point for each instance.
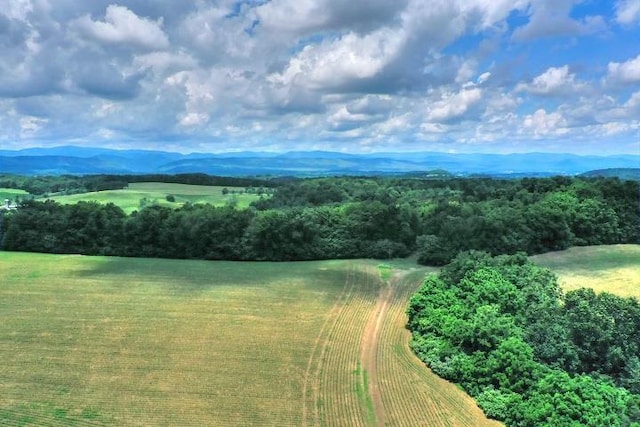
(343, 75)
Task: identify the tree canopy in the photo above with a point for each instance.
(339, 218)
(502, 329)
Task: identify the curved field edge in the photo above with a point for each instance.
(607, 268)
(137, 195)
(411, 394)
(121, 341)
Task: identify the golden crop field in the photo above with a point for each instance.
(123, 341)
(129, 199)
(610, 268)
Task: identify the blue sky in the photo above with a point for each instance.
(357, 76)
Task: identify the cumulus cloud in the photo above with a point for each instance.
(400, 54)
(627, 72)
(542, 123)
(371, 105)
(554, 81)
(367, 74)
(164, 62)
(30, 125)
(200, 96)
(345, 120)
(480, 15)
(551, 18)
(215, 34)
(122, 26)
(453, 106)
(628, 11)
(306, 16)
(337, 63)
(629, 110)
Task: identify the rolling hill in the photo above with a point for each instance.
(82, 160)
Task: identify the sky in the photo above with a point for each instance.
(497, 76)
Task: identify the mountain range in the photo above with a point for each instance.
(84, 160)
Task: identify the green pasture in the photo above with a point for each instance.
(126, 341)
(11, 193)
(610, 268)
(137, 195)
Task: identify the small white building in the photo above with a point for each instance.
(7, 205)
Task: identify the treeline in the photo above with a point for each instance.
(447, 216)
(347, 218)
(207, 232)
(501, 328)
(72, 184)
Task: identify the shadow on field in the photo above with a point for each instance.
(195, 275)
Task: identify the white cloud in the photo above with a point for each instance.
(624, 73)
(200, 96)
(344, 120)
(395, 124)
(122, 26)
(193, 119)
(628, 11)
(292, 16)
(371, 105)
(465, 72)
(483, 77)
(550, 18)
(18, 9)
(106, 109)
(542, 123)
(629, 110)
(499, 104)
(336, 63)
(633, 103)
(162, 62)
(214, 37)
(30, 125)
(554, 81)
(433, 127)
(492, 11)
(453, 105)
(367, 74)
(614, 128)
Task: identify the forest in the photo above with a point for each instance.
(502, 329)
(327, 218)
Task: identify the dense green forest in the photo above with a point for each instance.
(501, 328)
(334, 218)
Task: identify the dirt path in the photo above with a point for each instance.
(369, 350)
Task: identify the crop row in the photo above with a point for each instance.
(338, 397)
(413, 395)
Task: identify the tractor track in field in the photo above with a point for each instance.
(371, 341)
(321, 343)
(363, 334)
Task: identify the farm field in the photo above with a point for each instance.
(11, 193)
(124, 341)
(610, 268)
(156, 193)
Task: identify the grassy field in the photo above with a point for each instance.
(613, 268)
(11, 193)
(117, 341)
(156, 193)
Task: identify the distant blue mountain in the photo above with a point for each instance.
(83, 160)
(632, 174)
